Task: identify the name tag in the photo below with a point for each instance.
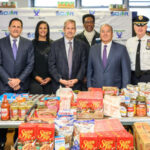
(148, 44)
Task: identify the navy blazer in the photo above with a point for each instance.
(58, 63)
(19, 68)
(117, 71)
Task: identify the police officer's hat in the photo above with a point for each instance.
(140, 20)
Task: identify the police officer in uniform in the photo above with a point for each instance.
(139, 51)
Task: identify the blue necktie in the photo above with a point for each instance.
(70, 59)
(14, 48)
(105, 56)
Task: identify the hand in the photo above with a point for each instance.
(64, 82)
(16, 87)
(39, 79)
(46, 80)
(72, 82)
(13, 82)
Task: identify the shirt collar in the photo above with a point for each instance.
(108, 44)
(143, 38)
(66, 40)
(11, 38)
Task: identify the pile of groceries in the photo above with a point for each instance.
(88, 120)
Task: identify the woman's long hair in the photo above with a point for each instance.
(37, 31)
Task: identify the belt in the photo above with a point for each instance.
(142, 72)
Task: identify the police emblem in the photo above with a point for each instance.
(140, 17)
(148, 44)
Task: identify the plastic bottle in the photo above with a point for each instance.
(5, 109)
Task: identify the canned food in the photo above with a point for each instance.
(22, 111)
(130, 110)
(141, 109)
(14, 111)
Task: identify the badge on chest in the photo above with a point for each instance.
(148, 44)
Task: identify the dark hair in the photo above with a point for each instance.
(88, 15)
(16, 19)
(37, 31)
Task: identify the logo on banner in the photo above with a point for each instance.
(61, 32)
(119, 33)
(91, 12)
(36, 12)
(11, 12)
(63, 13)
(119, 13)
(6, 32)
(30, 35)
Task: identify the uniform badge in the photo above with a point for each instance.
(148, 44)
(140, 17)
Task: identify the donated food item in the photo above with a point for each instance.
(14, 111)
(5, 108)
(110, 90)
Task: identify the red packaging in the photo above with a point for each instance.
(124, 140)
(106, 141)
(95, 89)
(27, 132)
(108, 125)
(90, 104)
(88, 141)
(45, 132)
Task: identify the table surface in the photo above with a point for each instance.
(124, 121)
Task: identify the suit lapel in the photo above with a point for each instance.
(100, 56)
(110, 56)
(75, 52)
(20, 45)
(63, 48)
(9, 48)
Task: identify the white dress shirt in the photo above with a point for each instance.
(131, 45)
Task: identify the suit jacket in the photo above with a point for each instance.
(19, 68)
(58, 63)
(82, 37)
(117, 71)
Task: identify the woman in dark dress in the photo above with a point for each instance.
(41, 80)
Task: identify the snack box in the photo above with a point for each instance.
(90, 104)
(27, 132)
(106, 141)
(88, 141)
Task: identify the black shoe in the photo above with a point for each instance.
(2, 145)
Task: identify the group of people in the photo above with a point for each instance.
(77, 61)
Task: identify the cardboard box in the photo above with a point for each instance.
(142, 136)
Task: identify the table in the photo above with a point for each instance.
(124, 121)
(10, 124)
(131, 121)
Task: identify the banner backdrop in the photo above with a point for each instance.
(121, 21)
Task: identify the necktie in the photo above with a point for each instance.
(70, 59)
(14, 48)
(105, 56)
(137, 63)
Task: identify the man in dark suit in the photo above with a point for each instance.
(109, 63)
(90, 36)
(67, 59)
(16, 63)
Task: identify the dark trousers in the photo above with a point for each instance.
(36, 88)
(145, 77)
